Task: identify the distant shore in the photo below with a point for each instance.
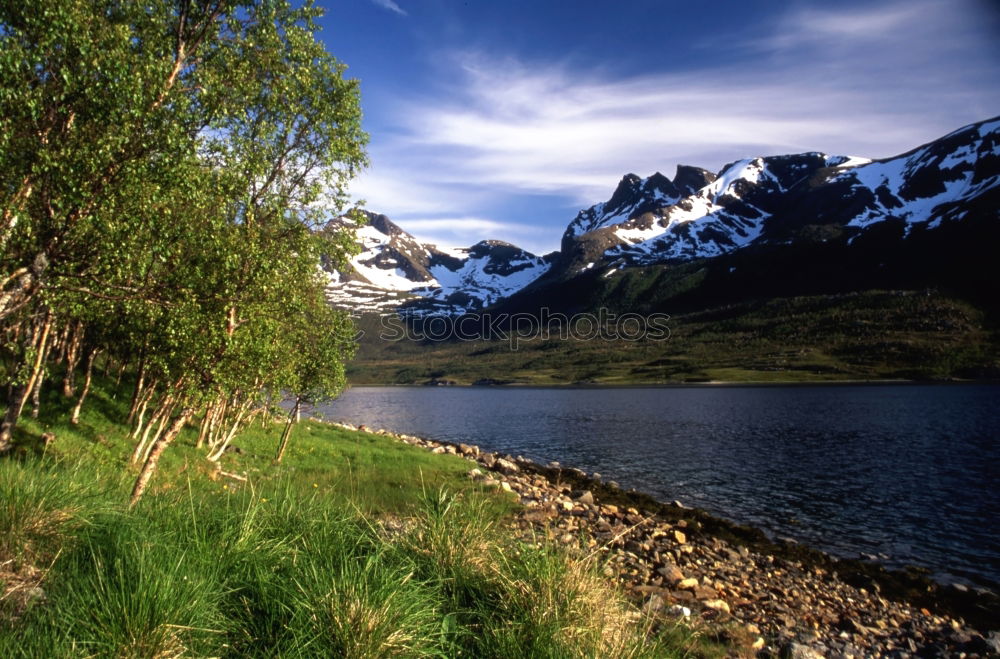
(687, 385)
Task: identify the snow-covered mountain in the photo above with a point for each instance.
(761, 201)
(394, 270)
(773, 199)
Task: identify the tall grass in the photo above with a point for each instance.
(357, 546)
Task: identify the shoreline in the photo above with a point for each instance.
(689, 563)
(692, 385)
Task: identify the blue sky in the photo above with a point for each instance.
(502, 118)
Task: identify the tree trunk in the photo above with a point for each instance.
(137, 394)
(25, 285)
(220, 449)
(36, 395)
(159, 419)
(75, 417)
(203, 429)
(19, 395)
(149, 467)
(293, 418)
(73, 360)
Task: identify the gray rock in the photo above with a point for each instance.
(671, 573)
(654, 603)
(506, 466)
(582, 496)
(799, 651)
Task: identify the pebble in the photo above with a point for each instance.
(803, 612)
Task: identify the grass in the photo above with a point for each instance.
(872, 335)
(356, 546)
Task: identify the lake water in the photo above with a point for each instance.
(910, 473)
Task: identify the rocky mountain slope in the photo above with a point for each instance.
(395, 270)
(778, 199)
(832, 211)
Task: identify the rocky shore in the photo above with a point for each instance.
(766, 598)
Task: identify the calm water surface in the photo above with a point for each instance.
(911, 473)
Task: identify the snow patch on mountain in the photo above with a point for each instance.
(921, 186)
(395, 269)
(482, 278)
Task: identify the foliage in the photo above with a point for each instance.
(167, 167)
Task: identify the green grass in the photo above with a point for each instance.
(872, 335)
(356, 546)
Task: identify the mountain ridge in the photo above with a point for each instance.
(763, 202)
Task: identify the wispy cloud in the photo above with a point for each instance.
(465, 231)
(869, 82)
(391, 6)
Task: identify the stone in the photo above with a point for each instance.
(679, 537)
(437, 449)
(505, 486)
(506, 466)
(465, 449)
(731, 554)
(705, 593)
(716, 605)
(582, 496)
(538, 515)
(800, 651)
(687, 584)
(475, 474)
(679, 611)
(671, 573)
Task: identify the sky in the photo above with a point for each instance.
(501, 119)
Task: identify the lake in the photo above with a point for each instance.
(908, 473)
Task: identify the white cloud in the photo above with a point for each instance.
(466, 231)
(869, 81)
(391, 6)
(406, 193)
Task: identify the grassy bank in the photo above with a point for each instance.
(355, 546)
(872, 335)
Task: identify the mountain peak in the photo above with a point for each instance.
(689, 179)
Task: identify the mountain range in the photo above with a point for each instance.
(775, 225)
